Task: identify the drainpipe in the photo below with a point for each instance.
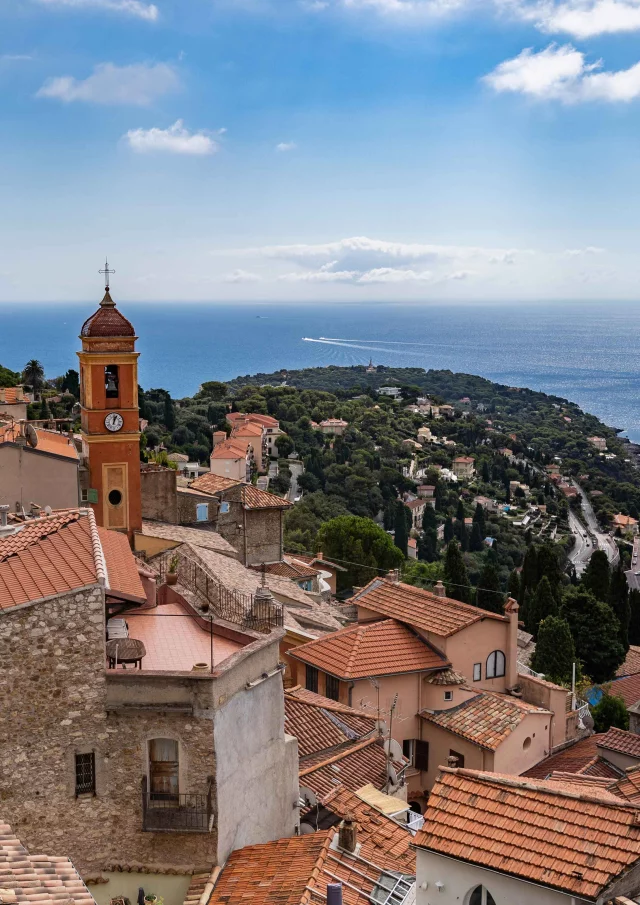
(511, 611)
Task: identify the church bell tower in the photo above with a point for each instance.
(110, 417)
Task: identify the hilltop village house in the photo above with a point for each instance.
(38, 468)
(13, 403)
(449, 672)
(178, 761)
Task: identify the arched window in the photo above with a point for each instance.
(111, 381)
(481, 896)
(495, 665)
(163, 769)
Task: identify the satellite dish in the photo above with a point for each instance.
(31, 435)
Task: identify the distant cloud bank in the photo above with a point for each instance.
(174, 140)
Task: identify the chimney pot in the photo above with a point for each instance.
(439, 589)
(334, 893)
(20, 394)
(452, 760)
(348, 835)
(4, 514)
(3, 395)
(394, 575)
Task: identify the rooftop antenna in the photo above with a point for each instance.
(106, 273)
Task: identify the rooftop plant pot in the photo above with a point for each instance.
(172, 577)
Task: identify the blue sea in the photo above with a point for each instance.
(587, 353)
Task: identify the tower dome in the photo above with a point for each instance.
(107, 321)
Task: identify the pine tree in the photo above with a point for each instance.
(596, 577)
(477, 538)
(610, 710)
(548, 565)
(543, 604)
(555, 652)
(488, 593)
(455, 574)
(169, 413)
(634, 621)
(596, 632)
(619, 603)
(448, 530)
(401, 534)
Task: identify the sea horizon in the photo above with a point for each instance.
(584, 352)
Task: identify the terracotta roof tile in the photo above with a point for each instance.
(355, 765)
(486, 719)
(37, 878)
(199, 537)
(230, 449)
(11, 396)
(631, 663)
(628, 689)
(628, 786)
(48, 441)
(599, 767)
(535, 830)
(569, 760)
(319, 726)
(34, 530)
(382, 838)
(441, 615)
(371, 649)
(212, 483)
(264, 420)
(254, 498)
(122, 569)
(246, 429)
(620, 741)
(107, 321)
(294, 571)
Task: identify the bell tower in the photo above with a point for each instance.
(109, 416)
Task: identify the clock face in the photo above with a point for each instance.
(113, 421)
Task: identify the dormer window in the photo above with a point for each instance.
(111, 382)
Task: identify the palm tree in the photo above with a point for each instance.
(33, 375)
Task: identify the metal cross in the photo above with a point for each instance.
(106, 273)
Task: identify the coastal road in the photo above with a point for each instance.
(580, 553)
(296, 469)
(605, 541)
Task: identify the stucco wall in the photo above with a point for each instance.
(257, 792)
(473, 645)
(460, 879)
(551, 697)
(441, 743)
(159, 498)
(27, 475)
(514, 754)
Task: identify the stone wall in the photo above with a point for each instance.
(255, 533)
(187, 503)
(159, 497)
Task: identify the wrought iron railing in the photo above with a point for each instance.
(232, 606)
(184, 813)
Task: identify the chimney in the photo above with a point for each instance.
(439, 589)
(3, 395)
(334, 893)
(19, 394)
(35, 510)
(348, 835)
(319, 555)
(511, 611)
(452, 761)
(4, 513)
(394, 575)
(218, 437)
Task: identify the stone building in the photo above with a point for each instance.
(45, 474)
(159, 768)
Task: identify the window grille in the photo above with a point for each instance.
(86, 774)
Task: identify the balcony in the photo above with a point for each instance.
(186, 813)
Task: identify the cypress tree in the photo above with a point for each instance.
(555, 652)
(488, 593)
(543, 604)
(596, 577)
(429, 520)
(529, 575)
(169, 413)
(401, 534)
(619, 603)
(460, 511)
(477, 537)
(448, 530)
(486, 473)
(514, 585)
(428, 546)
(478, 516)
(548, 565)
(45, 411)
(455, 574)
(595, 630)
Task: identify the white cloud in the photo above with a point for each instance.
(407, 8)
(241, 276)
(582, 252)
(174, 140)
(585, 20)
(138, 84)
(16, 57)
(321, 276)
(562, 73)
(376, 275)
(286, 146)
(135, 8)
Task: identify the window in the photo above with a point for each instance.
(459, 757)
(448, 696)
(163, 769)
(86, 774)
(495, 665)
(333, 688)
(202, 512)
(417, 752)
(311, 683)
(477, 672)
(115, 497)
(111, 381)
(224, 508)
(481, 896)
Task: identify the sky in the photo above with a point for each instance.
(320, 150)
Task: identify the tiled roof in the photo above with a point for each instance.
(212, 483)
(122, 569)
(11, 396)
(349, 715)
(264, 420)
(486, 720)
(64, 552)
(371, 649)
(246, 429)
(535, 830)
(355, 765)
(254, 498)
(446, 677)
(48, 441)
(569, 760)
(230, 449)
(292, 570)
(599, 767)
(199, 537)
(416, 504)
(296, 871)
(107, 321)
(319, 726)
(620, 741)
(628, 689)
(383, 840)
(628, 786)
(27, 879)
(441, 615)
(631, 663)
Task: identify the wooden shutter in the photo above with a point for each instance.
(421, 760)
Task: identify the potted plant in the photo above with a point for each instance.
(172, 574)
